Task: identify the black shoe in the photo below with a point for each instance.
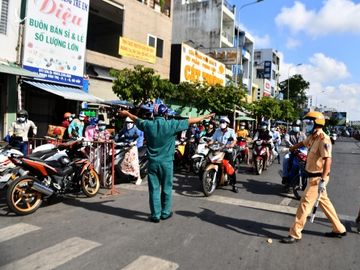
(289, 240)
(284, 180)
(335, 234)
(167, 217)
(153, 219)
(235, 189)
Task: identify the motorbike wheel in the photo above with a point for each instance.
(259, 166)
(208, 185)
(90, 183)
(298, 190)
(21, 198)
(195, 165)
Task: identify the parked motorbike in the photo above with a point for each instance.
(62, 170)
(198, 160)
(260, 151)
(297, 175)
(121, 148)
(179, 155)
(333, 137)
(217, 169)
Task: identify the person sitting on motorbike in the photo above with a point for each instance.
(244, 133)
(293, 137)
(129, 134)
(276, 140)
(264, 134)
(222, 135)
(19, 130)
(209, 130)
(67, 120)
(96, 131)
(76, 127)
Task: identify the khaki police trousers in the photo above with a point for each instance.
(306, 204)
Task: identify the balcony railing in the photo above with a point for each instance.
(229, 6)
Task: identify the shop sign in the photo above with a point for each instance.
(227, 56)
(267, 86)
(136, 50)
(199, 67)
(55, 39)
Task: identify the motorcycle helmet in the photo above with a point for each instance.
(225, 119)
(82, 116)
(22, 116)
(160, 110)
(317, 117)
(263, 125)
(297, 123)
(67, 115)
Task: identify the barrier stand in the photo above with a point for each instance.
(113, 190)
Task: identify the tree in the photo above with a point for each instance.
(287, 111)
(297, 91)
(266, 108)
(140, 84)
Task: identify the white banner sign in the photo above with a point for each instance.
(55, 39)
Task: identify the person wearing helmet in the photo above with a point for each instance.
(160, 134)
(318, 168)
(131, 134)
(263, 133)
(67, 120)
(276, 140)
(209, 130)
(19, 131)
(293, 137)
(244, 133)
(76, 127)
(226, 135)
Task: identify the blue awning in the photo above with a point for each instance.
(65, 92)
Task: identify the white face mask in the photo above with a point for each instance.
(129, 125)
(242, 127)
(81, 118)
(223, 125)
(21, 119)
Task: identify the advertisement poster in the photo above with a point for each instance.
(199, 67)
(55, 39)
(136, 50)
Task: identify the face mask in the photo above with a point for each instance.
(129, 125)
(223, 125)
(309, 128)
(70, 119)
(102, 128)
(296, 129)
(242, 127)
(21, 119)
(81, 118)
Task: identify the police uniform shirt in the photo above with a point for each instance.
(160, 136)
(319, 147)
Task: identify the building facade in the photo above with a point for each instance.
(266, 73)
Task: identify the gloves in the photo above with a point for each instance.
(322, 186)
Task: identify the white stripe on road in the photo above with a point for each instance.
(286, 201)
(54, 256)
(150, 263)
(16, 230)
(244, 203)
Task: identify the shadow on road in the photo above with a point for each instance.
(243, 226)
(107, 209)
(262, 187)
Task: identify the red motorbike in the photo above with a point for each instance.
(59, 171)
(261, 150)
(242, 151)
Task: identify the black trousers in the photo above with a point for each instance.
(229, 157)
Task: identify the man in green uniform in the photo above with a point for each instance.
(160, 136)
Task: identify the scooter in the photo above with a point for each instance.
(241, 151)
(198, 160)
(217, 169)
(297, 175)
(260, 155)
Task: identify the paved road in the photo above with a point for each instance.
(225, 231)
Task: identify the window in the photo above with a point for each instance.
(4, 6)
(156, 43)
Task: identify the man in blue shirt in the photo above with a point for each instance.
(160, 135)
(223, 135)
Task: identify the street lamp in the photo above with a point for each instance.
(288, 81)
(237, 16)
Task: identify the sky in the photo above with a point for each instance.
(323, 36)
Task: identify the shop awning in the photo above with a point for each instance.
(65, 92)
(16, 70)
(244, 118)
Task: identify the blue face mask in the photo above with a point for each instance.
(101, 128)
(309, 128)
(296, 129)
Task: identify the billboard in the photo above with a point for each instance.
(267, 87)
(199, 67)
(55, 39)
(136, 50)
(227, 56)
(340, 117)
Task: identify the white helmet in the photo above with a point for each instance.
(225, 119)
(128, 120)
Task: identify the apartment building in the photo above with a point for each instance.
(266, 73)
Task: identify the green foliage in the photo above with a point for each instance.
(297, 91)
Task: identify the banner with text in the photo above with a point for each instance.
(199, 67)
(55, 39)
(136, 50)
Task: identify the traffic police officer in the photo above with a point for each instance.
(318, 168)
(160, 136)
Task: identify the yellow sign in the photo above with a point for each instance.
(199, 67)
(136, 50)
